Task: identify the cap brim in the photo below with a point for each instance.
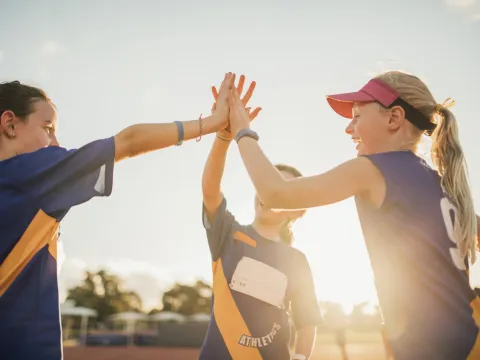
(342, 104)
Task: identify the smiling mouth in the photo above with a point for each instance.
(357, 142)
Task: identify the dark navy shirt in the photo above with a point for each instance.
(246, 325)
(421, 279)
(36, 191)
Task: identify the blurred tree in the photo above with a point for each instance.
(103, 292)
(188, 300)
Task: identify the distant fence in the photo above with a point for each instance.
(167, 335)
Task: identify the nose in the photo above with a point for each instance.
(54, 141)
(350, 127)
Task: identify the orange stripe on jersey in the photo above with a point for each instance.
(475, 353)
(244, 238)
(229, 320)
(43, 230)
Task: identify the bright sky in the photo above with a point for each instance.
(109, 64)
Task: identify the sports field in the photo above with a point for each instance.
(360, 347)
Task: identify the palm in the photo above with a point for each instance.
(248, 94)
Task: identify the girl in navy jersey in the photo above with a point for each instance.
(39, 183)
(418, 222)
(257, 276)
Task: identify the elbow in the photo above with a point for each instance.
(125, 144)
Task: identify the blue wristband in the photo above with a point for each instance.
(180, 132)
(248, 133)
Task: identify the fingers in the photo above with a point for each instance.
(215, 93)
(254, 113)
(249, 92)
(241, 82)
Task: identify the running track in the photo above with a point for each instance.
(322, 352)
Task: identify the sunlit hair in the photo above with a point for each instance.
(286, 232)
(446, 154)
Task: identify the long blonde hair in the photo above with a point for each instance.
(446, 153)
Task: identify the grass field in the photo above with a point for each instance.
(361, 346)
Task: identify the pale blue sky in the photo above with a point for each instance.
(109, 64)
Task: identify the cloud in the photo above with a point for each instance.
(475, 17)
(1, 56)
(460, 3)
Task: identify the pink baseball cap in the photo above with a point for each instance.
(382, 93)
(375, 90)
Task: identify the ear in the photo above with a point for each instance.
(7, 123)
(397, 117)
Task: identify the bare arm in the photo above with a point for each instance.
(305, 341)
(355, 177)
(142, 138)
(212, 177)
(213, 171)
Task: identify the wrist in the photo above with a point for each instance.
(210, 124)
(236, 131)
(246, 132)
(298, 357)
(224, 137)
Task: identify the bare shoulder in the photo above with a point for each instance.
(374, 186)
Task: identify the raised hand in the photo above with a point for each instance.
(239, 117)
(226, 133)
(221, 109)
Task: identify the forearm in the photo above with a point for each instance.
(267, 180)
(305, 341)
(142, 138)
(213, 173)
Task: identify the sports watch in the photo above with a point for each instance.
(246, 132)
(298, 357)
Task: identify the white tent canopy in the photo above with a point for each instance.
(68, 308)
(167, 316)
(128, 317)
(78, 311)
(199, 317)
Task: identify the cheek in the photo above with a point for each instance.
(365, 130)
(38, 139)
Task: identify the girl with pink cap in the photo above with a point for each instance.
(418, 221)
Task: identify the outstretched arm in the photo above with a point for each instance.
(142, 138)
(215, 165)
(354, 177)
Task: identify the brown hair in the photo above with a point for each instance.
(286, 232)
(19, 98)
(447, 154)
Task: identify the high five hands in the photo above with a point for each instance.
(239, 113)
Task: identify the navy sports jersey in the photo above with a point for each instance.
(254, 282)
(36, 191)
(422, 281)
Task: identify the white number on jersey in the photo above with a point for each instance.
(447, 207)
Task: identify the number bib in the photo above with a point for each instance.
(261, 281)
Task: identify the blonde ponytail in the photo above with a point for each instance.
(447, 156)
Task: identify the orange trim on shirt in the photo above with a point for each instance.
(228, 318)
(240, 236)
(42, 231)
